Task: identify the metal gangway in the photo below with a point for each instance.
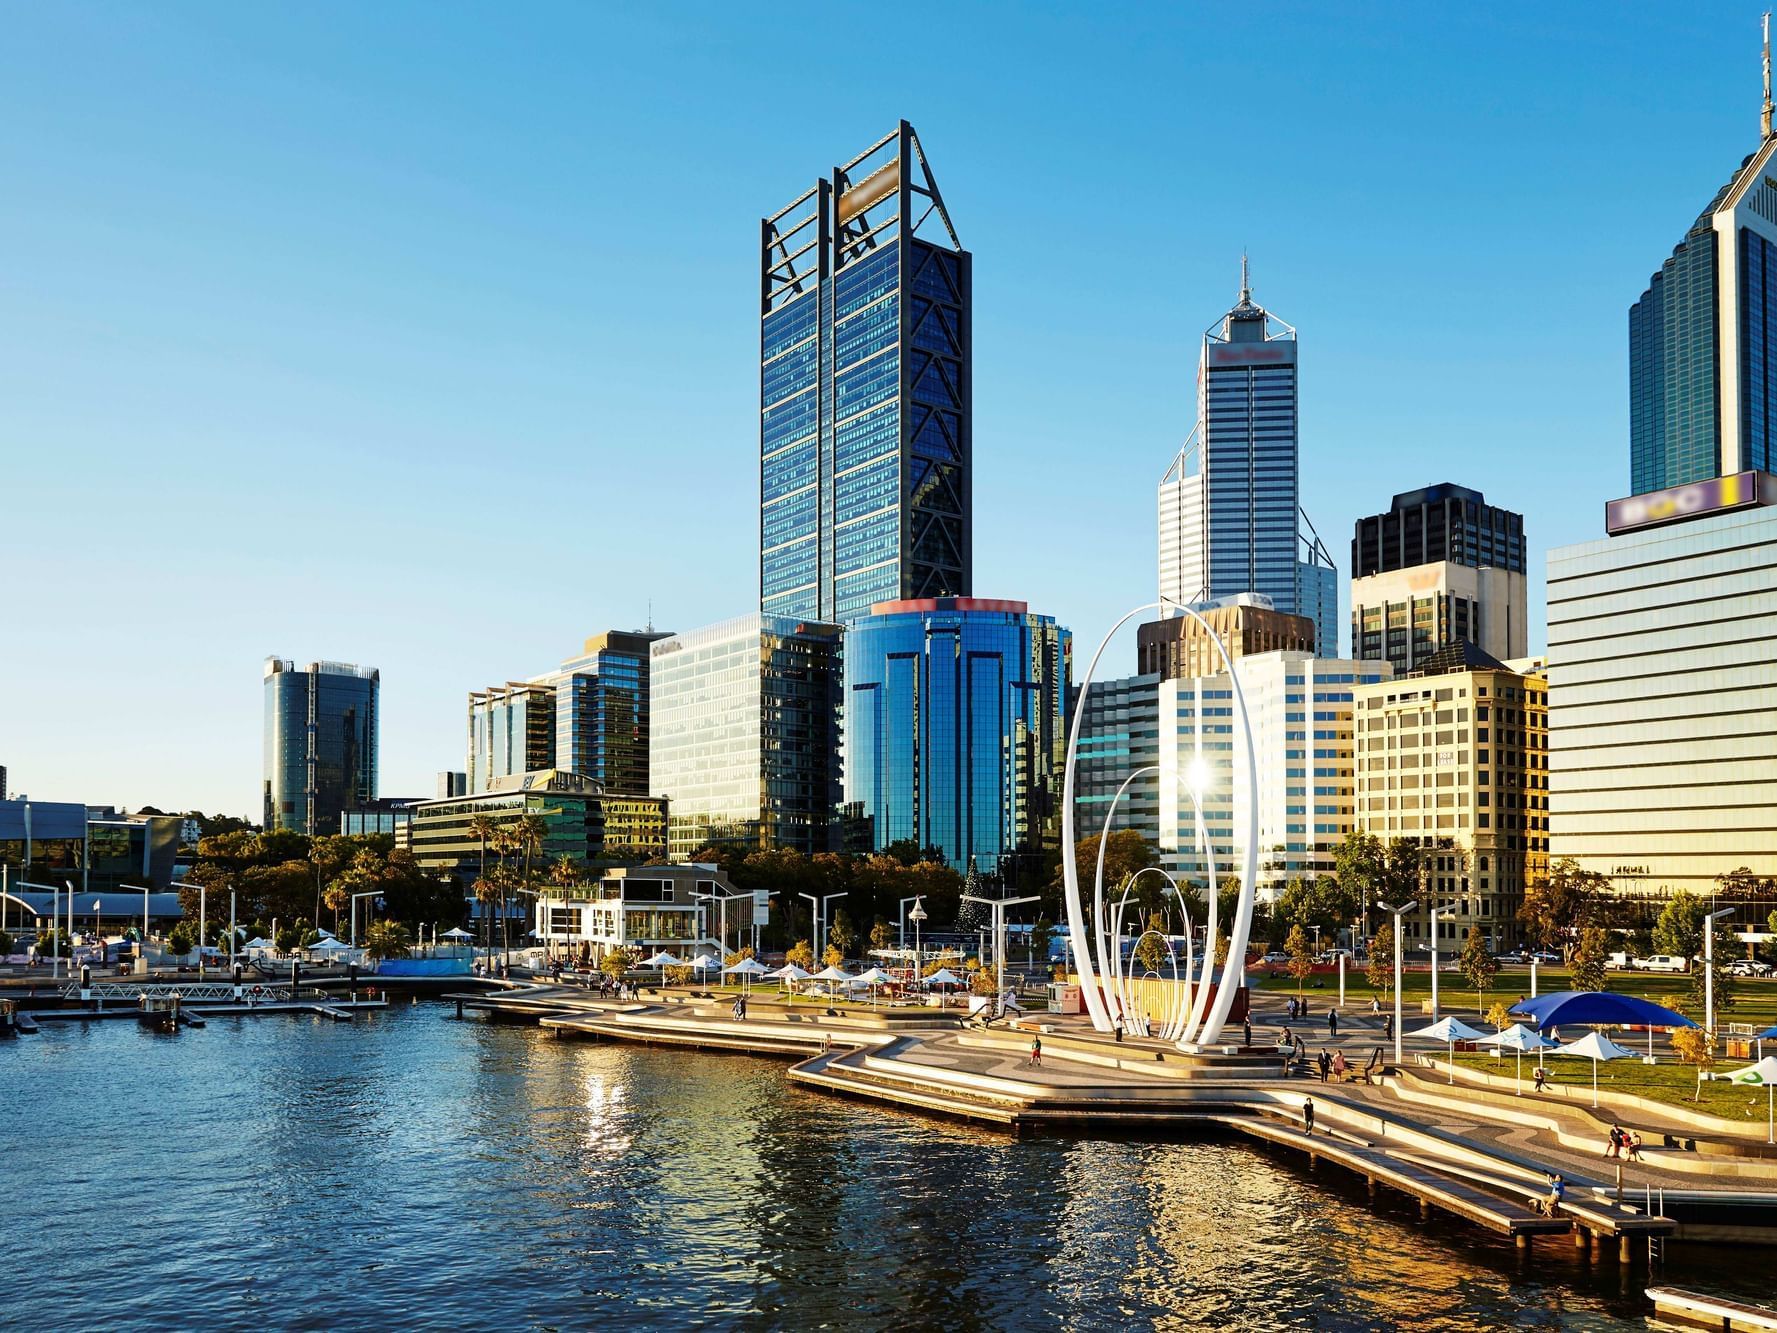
(196, 992)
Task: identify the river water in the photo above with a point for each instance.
(411, 1171)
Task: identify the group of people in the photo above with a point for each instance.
(740, 1007)
(1333, 1067)
(1623, 1144)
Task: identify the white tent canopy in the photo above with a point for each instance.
(663, 959)
(456, 933)
(329, 946)
(833, 974)
(1518, 1039)
(1765, 1072)
(943, 977)
(875, 977)
(748, 967)
(1449, 1031)
(789, 972)
(705, 961)
(1595, 1046)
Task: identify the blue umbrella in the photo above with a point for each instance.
(1598, 1008)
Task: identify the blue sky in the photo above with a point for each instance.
(424, 336)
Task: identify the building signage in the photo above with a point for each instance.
(1715, 495)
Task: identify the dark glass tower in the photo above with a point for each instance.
(1703, 340)
(601, 711)
(954, 734)
(320, 743)
(1442, 522)
(864, 391)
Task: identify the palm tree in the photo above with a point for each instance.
(505, 841)
(482, 827)
(528, 832)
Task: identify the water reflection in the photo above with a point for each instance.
(417, 1172)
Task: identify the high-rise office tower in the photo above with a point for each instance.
(864, 391)
(1230, 507)
(511, 731)
(1440, 567)
(1703, 337)
(601, 710)
(320, 742)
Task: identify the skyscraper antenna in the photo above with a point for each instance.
(1246, 287)
(1765, 114)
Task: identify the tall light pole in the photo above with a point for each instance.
(1432, 916)
(901, 922)
(826, 917)
(1709, 970)
(917, 915)
(999, 906)
(814, 924)
(1398, 912)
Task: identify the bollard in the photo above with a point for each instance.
(295, 976)
(237, 983)
(86, 981)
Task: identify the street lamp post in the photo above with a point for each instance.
(999, 906)
(1709, 970)
(901, 922)
(814, 923)
(1398, 912)
(1432, 916)
(825, 910)
(917, 915)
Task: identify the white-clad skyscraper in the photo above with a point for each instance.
(1230, 506)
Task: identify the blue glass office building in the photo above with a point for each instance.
(320, 743)
(1703, 342)
(864, 391)
(954, 728)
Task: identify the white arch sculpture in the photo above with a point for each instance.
(1091, 950)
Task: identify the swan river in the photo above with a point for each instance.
(411, 1171)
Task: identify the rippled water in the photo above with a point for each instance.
(411, 1171)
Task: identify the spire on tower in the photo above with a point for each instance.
(1246, 287)
(1765, 114)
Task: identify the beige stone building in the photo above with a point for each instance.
(1455, 758)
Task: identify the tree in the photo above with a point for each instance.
(1379, 969)
(181, 939)
(1126, 853)
(387, 939)
(1697, 994)
(566, 873)
(1558, 907)
(1150, 950)
(289, 938)
(1301, 955)
(1695, 1046)
(1041, 936)
(882, 935)
(1588, 959)
(482, 828)
(616, 962)
(842, 934)
(802, 954)
(834, 956)
(1679, 929)
(1498, 1015)
(1371, 871)
(1478, 965)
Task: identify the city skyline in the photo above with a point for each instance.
(150, 358)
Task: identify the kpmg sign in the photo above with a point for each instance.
(1716, 495)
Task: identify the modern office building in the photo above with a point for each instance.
(601, 709)
(321, 728)
(1440, 566)
(511, 731)
(1702, 364)
(864, 391)
(451, 783)
(1438, 523)
(1177, 645)
(582, 822)
(1230, 508)
(1663, 688)
(954, 729)
(745, 733)
(391, 815)
(1185, 730)
(685, 910)
(54, 843)
(1454, 758)
(589, 716)
(1119, 744)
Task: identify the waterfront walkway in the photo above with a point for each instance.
(1478, 1154)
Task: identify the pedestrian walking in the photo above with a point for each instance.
(1332, 1022)
(1541, 1075)
(1634, 1146)
(1326, 1064)
(1119, 1027)
(1388, 1027)
(1614, 1142)
(1036, 1052)
(1308, 1115)
(1375, 1004)
(1246, 1030)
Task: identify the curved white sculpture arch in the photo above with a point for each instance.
(1097, 957)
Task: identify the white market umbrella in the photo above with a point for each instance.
(457, 933)
(329, 946)
(704, 962)
(1518, 1038)
(873, 978)
(746, 969)
(943, 977)
(1449, 1031)
(791, 973)
(833, 976)
(260, 943)
(1765, 1071)
(662, 959)
(1595, 1046)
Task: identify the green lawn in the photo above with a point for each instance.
(1755, 999)
(1667, 1081)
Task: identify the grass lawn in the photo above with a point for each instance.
(1667, 1081)
(1755, 999)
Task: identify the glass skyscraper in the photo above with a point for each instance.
(1703, 342)
(864, 391)
(320, 743)
(744, 736)
(1230, 506)
(954, 734)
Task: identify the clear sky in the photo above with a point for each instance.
(424, 336)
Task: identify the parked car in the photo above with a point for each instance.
(1515, 956)
(1275, 958)
(1661, 962)
(1546, 956)
(1749, 967)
